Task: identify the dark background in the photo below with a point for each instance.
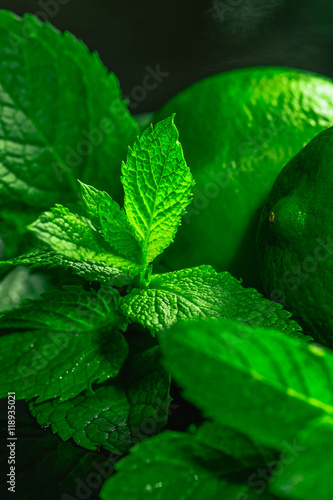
(190, 39)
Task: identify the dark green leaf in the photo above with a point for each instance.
(48, 468)
(73, 341)
(117, 414)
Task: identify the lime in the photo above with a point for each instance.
(295, 237)
(238, 130)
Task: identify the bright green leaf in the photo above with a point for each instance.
(157, 185)
(75, 237)
(88, 269)
(107, 216)
(201, 292)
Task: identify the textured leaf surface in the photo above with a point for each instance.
(71, 309)
(255, 380)
(47, 466)
(74, 237)
(309, 475)
(88, 269)
(174, 465)
(72, 343)
(119, 413)
(62, 114)
(157, 185)
(201, 292)
(111, 220)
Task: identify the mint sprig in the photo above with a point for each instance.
(87, 357)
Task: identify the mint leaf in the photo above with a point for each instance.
(45, 465)
(175, 465)
(157, 185)
(111, 220)
(117, 414)
(88, 269)
(201, 292)
(309, 474)
(73, 341)
(257, 381)
(64, 117)
(76, 238)
(72, 309)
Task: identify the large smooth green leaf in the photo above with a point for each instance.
(258, 381)
(73, 341)
(201, 292)
(157, 185)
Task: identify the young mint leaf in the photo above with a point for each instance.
(46, 466)
(64, 116)
(201, 292)
(175, 465)
(157, 185)
(88, 269)
(111, 220)
(309, 475)
(117, 414)
(76, 238)
(258, 381)
(73, 341)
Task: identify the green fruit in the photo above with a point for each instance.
(295, 238)
(238, 130)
